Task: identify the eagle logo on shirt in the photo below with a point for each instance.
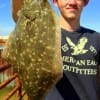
(79, 47)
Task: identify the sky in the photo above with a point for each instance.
(90, 17)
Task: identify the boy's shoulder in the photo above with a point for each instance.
(88, 30)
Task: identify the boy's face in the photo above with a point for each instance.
(70, 9)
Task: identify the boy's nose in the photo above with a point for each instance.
(71, 1)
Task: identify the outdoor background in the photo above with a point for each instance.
(90, 17)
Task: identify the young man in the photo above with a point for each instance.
(80, 52)
(81, 55)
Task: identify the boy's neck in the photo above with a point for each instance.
(70, 25)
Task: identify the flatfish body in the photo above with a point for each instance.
(33, 48)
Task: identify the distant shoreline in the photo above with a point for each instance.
(4, 37)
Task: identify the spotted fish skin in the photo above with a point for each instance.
(34, 48)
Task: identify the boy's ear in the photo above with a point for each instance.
(86, 2)
(55, 2)
(16, 6)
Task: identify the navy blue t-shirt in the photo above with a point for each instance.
(81, 57)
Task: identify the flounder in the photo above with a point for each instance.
(34, 48)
